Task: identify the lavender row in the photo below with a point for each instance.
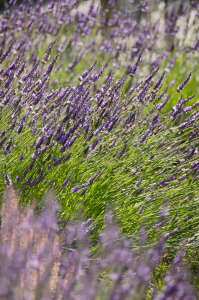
(95, 130)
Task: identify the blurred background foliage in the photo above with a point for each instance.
(122, 5)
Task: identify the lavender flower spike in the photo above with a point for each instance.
(182, 85)
(8, 182)
(7, 52)
(47, 54)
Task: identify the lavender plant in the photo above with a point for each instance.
(84, 110)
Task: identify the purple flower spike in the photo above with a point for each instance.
(21, 157)
(17, 179)
(65, 183)
(2, 142)
(182, 85)
(8, 146)
(7, 52)
(83, 192)
(7, 179)
(136, 66)
(21, 70)
(39, 142)
(75, 189)
(159, 81)
(19, 129)
(47, 54)
(51, 65)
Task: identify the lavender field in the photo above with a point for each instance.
(99, 157)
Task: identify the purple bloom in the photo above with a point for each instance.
(91, 179)
(7, 52)
(39, 142)
(51, 184)
(36, 181)
(57, 161)
(65, 183)
(160, 106)
(51, 65)
(75, 189)
(2, 142)
(31, 166)
(17, 179)
(136, 65)
(145, 136)
(182, 85)
(8, 146)
(19, 129)
(83, 192)
(7, 179)
(159, 81)
(150, 77)
(138, 192)
(47, 54)
(21, 157)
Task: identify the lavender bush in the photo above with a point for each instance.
(99, 110)
(39, 262)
